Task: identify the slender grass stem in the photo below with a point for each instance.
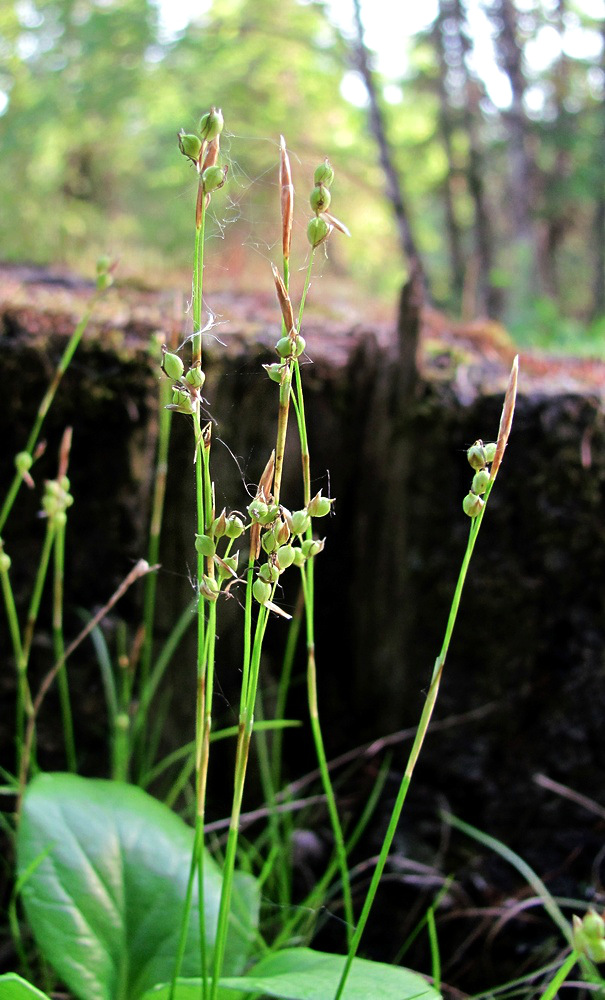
(24, 705)
(155, 528)
(45, 405)
(284, 686)
(308, 582)
(246, 725)
(59, 648)
(429, 704)
(552, 990)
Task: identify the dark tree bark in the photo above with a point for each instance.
(598, 225)
(393, 183)
(522, 167)
(486, 298)
(556, 210)
(447, 126)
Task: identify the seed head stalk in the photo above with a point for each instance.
(427, 711)
(204, 153)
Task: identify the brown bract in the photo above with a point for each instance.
(287, 197)
(506, 419)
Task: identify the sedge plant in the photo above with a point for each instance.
(247, 550)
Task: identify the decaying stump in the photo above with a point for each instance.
(526, 671)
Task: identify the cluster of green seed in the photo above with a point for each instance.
(280, 530)
(56, 500)
(589, 936)
(480, 456)
(282, 539)
(194, 145)
(187, 386)
(319, 227)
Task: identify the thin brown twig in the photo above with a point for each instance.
(371, 749)
(568, 793)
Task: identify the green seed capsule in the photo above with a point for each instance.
(195, 377)
(234, 526)
(5, 562)
(213, 178)
(181, 402)
(324, 174)
(320, 198)
(476, 455)
(285, 556)
(299, 522)
(593, 925)
(59, 519)
(219, 525)
(261, 590)
(480, 481)
(299, 558)
(472, 504)
(285, 348)
(209, 588)
(173, 366)
(490, 452)
(274, 371)
(268, 517)
(269, 573)
(312, 547)
(319, 506)
(103, 264)
(189, 145)
(269, 542)
(257, 509)
(211, 124)
(227, 567)
(317, 231)
(281, 531)
(204, 544)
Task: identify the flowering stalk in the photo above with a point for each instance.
(478, 456)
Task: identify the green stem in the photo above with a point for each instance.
(45, 405)
(307, 576)
(36, 598)
(153, 554)
(284, 687)
(421, 732)
(552, 990)
(24, 702)
(59, 648)
(246, 725)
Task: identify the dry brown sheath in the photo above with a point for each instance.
(287, 197)
(506, 419)
(284, 302)
(211, 157)
(64, 453)
(340, 226)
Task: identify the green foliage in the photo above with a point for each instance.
(13, 987)
(305, 974)
(106, 877)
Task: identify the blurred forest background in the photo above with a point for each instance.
(499, 190)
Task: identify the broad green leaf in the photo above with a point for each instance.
(304, 974)
(105, 903)
(188, 989)
(12, 987)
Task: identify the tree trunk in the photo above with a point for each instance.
(378, 128)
